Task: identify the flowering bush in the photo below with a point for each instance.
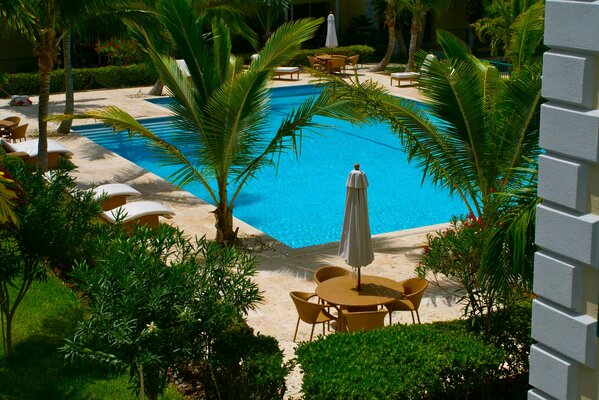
(457, 253)
(119, 51)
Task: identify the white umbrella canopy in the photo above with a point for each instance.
(356, 243)
(331, 40)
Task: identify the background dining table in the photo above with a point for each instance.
(375, 291)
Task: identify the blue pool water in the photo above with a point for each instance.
(302, 202)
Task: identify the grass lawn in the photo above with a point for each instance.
(47, 315)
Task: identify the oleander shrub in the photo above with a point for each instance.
(84, 79)
(429, 361)
(365, 53)
(245, 365)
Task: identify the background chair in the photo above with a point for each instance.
(327, 272)
(310, 313)
(414, 290)
(335, 65)
(14, 119)
(315, 63)
(353, 62)
(363, 321)
(19, 133)
(138, 212)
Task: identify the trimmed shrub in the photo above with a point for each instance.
(365, 53)
(428, 361)
(84, 79)
(246, 365)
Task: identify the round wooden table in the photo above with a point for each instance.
(375, 291)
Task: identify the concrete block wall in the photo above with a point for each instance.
(565, 359)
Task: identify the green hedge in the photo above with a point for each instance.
(365, 53)
(428, 361)
(84, 79)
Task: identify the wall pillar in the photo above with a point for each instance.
(565, 359)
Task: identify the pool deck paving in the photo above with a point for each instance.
(281, 269)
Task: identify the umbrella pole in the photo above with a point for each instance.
(359, 278)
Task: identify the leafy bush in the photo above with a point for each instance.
(246, 366)
(429, 361)
(119, 51)
(456, 253)
(365, 52)
(57, 225)
(158, 301)
(84, 79)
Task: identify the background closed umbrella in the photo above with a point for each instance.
(356, 243)
(331, 40)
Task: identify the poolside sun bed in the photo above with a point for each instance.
(28, 151)
(115, 194)
(286, 71)
(403, 76)
(138, 212)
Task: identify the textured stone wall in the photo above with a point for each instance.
(565, 360)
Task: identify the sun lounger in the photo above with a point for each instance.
(286, 71)
(28, 151)
(115, 194)
(403, 76)
(138, 212)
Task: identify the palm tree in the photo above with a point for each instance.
(418, 9)
(9, 196)
(222, 112)
(44, 23)
(477, 131)
(391, 11)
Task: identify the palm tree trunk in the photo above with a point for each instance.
(45, 51)
(401, 42)
(157, 88)
(69, 105)
(414, 33)
(224, 216)
(390, 22)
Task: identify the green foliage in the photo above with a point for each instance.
(510, 331)
(57, 225)
(84, 79)
(456, 253)
(37, 370)
(433, 361)
(246, 366)
(157, 301)
(119, 51)
(365, 53)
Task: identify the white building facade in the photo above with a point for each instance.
(565, 359)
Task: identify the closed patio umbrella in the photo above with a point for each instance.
(356, 243)
(331, 40)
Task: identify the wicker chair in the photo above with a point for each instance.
(353, 62)
(363, 321)
(325, 273)
(315, 63)
(310, 313)
(14, 119)
(414, 290)
(19, 133)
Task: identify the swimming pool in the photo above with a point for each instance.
(301, 203)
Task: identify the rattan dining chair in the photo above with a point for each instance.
(363, 320)
(310, 313)
(327, 272)
(19, 133)
(414, 290)
(14, 119)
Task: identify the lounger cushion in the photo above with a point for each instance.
(183, 67)
(286, 70)
(30, 147)
(137, 209)
(114, 189)
(404, 75)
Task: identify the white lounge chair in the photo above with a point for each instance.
(286, 71)
(403, 76)
(115, 194)
(28, 151)
(138, 212)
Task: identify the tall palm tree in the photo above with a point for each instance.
(43, 22)
(419, 9)
(222, 112)
(391, 11)
(477, 132)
